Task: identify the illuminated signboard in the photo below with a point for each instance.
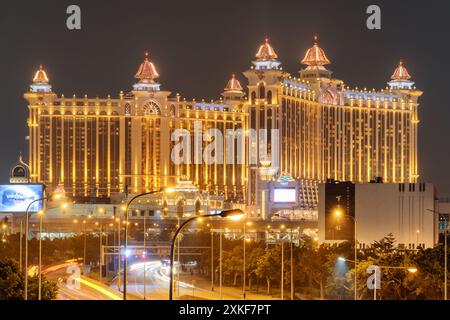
(17, 197)
(285, 195)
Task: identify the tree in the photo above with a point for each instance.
(12, 283)
(233, 263)
(11, 280)
(49, 289)
(268, 266)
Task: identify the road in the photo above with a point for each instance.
(81, 288)
(157, 287)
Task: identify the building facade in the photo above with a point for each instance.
(403, 210)
(99, 147)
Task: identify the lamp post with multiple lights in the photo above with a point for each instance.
(233, 214)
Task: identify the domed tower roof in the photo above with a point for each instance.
(20, 172)
(233, 90)
(233, 84)
(315, 56)
(40, 76)
(147, 72)
(400, 73)
(400, 79)
(266, 52)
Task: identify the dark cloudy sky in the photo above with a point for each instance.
(196, 45)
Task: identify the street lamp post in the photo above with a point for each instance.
(445, 215)
(234, 214)
(212, 260)
(56, 195)
(168, 190)
(292, 255)
(40, 213)
(247, 223)
(338, 214)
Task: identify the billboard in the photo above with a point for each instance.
(16, 197)
(284, 195)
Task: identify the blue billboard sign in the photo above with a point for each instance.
(16, 197)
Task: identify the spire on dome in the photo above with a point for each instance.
(40, 76)
(315, 56)
(233, 84)
(400, 73)
(400, 79)
(147, 72)
(266, 51)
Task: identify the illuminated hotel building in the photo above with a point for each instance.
(102, 146)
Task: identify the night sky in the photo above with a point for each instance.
(196, 45)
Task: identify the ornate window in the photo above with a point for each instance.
(127, 109)
(172, 110)
(253, 97)
(262, 90)
(151, 108)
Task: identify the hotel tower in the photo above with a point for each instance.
(101, 146)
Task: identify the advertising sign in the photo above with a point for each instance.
(284, 195)
(16, 197)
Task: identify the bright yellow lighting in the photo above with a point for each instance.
(64, 205)
(316, 239)
(412, 269)
(249, 223)
(102, 290)
(338, 213)
(236, 217)
(57, 196)
(247, 239)
(117, 219)
(101, 210)
(282, 226)
(89, 216)
(169, 190)
(200, 219)
(136, 224)
(40, 212)
(124, 208)
(75, 221)
(96, 223)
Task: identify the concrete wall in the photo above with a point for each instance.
(381, 208)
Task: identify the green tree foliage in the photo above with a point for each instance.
(11, 280)
(12, 283)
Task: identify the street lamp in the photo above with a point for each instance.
(247, 223)
(338, 213)
(40, 213)
(445, 215)
(166, 190)
(56, 196)
(292, 257)
(232, 214)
